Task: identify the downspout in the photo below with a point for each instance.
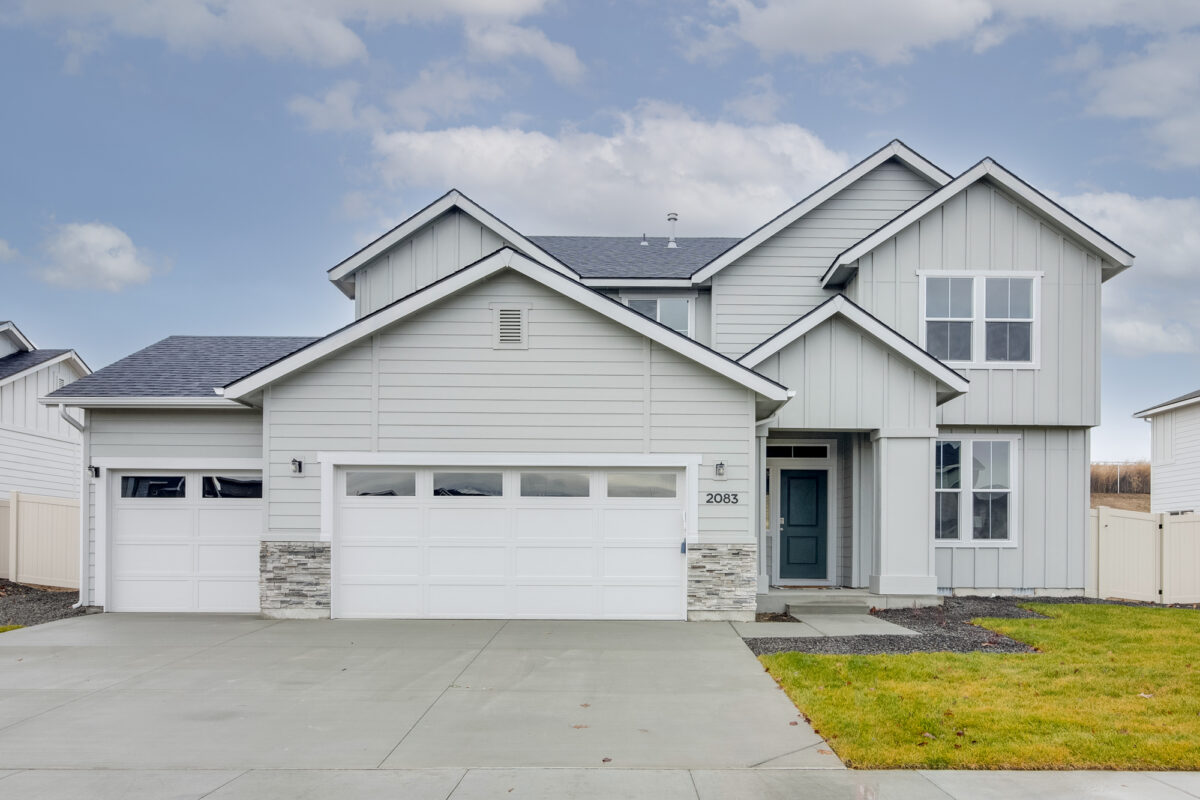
(84, 500)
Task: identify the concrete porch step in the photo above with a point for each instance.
(824, 606)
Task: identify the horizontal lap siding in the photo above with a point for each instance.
(779, 280)
(433, 383)
(1175, 481)
(447, 244)
(984, 229)
(1053, 499)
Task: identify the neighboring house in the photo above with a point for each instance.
(39, 450)
(889, 386)
(1174, 454)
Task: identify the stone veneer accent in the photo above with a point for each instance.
(722, 581)
(294, 579)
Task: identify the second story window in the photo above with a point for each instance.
(981, 321)
(674, 312)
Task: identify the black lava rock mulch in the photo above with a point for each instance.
(31, 605)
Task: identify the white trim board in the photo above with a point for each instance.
(506, 258)
(141, 402)
(450, 200)
(843, 306)
(841, 269)
(12, 330)
(893, 149)
(1162, 408)
(829, 465)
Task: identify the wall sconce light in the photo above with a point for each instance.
(720, 469)
(297, 466)
(94, 471)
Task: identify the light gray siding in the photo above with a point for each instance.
(433, 383)
(449, 243)
(1053, 480)
(846, 379)
(1175, 460)
(39, 451)
(983, 229)
(778, 281)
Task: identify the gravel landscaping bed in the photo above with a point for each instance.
(33, 605)
(945, 628)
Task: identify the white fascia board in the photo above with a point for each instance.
(443, 459)
(510, 259)
(840, 305)
(140, 402)
(894, 149)
(839, 271)
(14, 332)
(158, 462)
(452, 199)
(1156, 410)
(67, 356)
(638, 283)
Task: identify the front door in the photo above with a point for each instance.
(804, 529)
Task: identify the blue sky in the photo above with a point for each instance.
(195, 166)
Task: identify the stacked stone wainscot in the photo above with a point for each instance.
(722, 581)
(294, 579)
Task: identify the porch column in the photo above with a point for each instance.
(903, 560)
(760, 509)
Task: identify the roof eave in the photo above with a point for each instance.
(140, 402)
(1162, 408)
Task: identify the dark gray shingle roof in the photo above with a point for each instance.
(184, 366)
(19, 362)
(626, 257)
(1172, 401)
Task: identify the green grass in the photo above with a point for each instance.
(7, 628)
(1113, 687)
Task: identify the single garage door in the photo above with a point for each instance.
(509, 543)
(185, 541)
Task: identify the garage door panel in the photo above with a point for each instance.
(381, 521)
(469, 560)
(641, 562)
(232, 523)
(153, 558)
(227, 559)
(555, 523)
(469, 601)
(391, 600)
(642, 602)
(641, 523)
(489, 522)
(152, 523)
(154, 594)
(227, 596)
(555, 562)
(366, 560)
(558, 601)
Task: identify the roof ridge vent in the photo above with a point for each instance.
(672, 218)
(644, 243)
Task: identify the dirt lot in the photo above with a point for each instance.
(1128, 502)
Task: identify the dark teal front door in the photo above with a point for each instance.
(804, 529)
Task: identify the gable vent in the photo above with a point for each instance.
(511, 326)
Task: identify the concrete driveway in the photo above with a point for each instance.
(235, 693)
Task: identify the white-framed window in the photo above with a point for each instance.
(975, 490)
(981, 321)
(674, 311)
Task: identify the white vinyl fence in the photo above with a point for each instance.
(1150, 557)
(39, 540)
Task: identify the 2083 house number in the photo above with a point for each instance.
(722, 498)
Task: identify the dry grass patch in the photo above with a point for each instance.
(1113, 687)
(1126, 502)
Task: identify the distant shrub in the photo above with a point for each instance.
(1134, 478)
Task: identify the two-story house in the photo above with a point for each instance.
(888, 386)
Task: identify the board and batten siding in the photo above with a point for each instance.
(164, 434)
(1053, 493)
(983, 229)
(445, 245)
(39, 451)
(780, 280)
(433, 383)
(846, 380)
(1175, 460)
(19, 407)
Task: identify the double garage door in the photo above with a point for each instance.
(509, 543)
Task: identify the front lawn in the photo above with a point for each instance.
(7, 628)
(1114, 687)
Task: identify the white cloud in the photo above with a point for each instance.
(1135, 337)
(499, 41)
(94, 255)
(759, 102)
(7, 251)
(336, 110)
(721, 177)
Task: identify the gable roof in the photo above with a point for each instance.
(598, 257)
(450, 200)
(14, 364)
(894, 149)
(178, 368)
(504, 259)
(1191, 398)
(9, 328)
(841, 270)
(840, 305)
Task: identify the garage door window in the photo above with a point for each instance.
(221, 486)
(153, 486)
(468, 484)
(554, 484)
(641, 484)
(381, 483)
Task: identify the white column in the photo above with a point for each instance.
(903, 560)
(760, 522)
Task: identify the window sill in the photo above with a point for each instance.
(993, 365)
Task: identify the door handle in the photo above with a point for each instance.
(781, 523)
